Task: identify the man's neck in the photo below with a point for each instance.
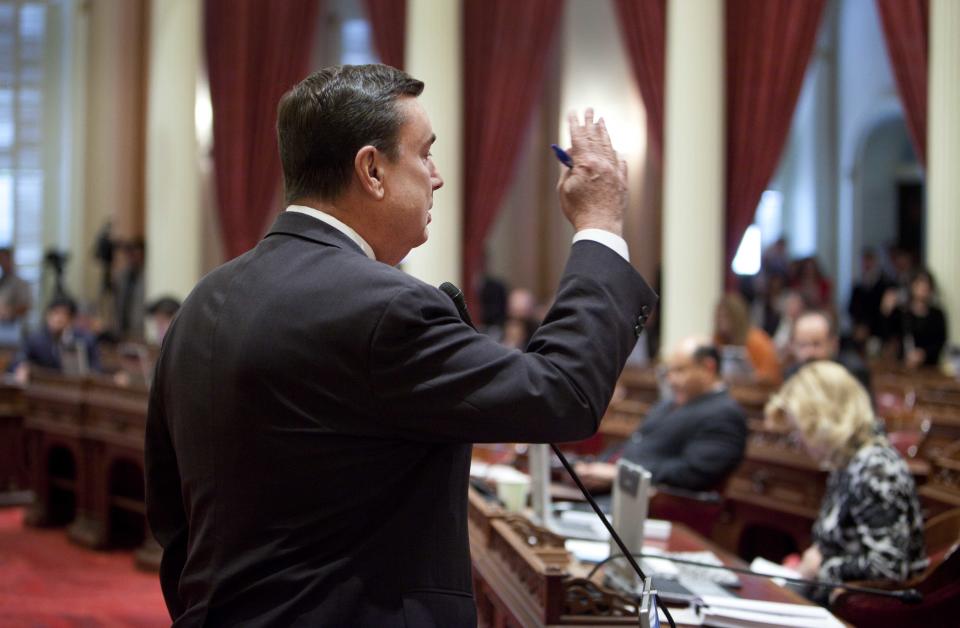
(343, 220)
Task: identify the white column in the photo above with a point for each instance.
(693, 170)
(433, 55)
(943, 159)
(114, 127)
(173, 192)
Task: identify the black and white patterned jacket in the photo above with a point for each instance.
(870, 526)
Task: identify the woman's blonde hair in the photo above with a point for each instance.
(829, 407)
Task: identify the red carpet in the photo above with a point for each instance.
(48, 582)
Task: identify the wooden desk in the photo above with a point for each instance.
(85, 440)
(524, 577)
(13, 463)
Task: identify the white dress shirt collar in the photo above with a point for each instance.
(336, 224)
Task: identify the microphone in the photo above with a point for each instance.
(456, 295)
(649, 602)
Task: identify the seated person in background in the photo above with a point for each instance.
(732, 328)
(160, 314)
(864, 307)
(692, 441)
(138, 360)
(815, 337)
(791, 307)
(50, 347)
(870, 526)
(919, 328)
(15, 299)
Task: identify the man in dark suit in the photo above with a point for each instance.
(310, 425)
(59, 345)
(694, 439)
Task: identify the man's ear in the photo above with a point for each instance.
(367, 166)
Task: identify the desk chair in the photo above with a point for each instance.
(699, 510)
(939, 585)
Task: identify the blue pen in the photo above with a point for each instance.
(562, 155)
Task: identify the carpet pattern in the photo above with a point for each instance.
(48, 582)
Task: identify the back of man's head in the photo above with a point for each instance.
(63, 303)
(326, 118)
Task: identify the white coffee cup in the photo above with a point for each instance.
(513, 492)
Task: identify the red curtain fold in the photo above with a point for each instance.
(643, 25)
(906, 27)
(388, 21)
(256, 50)
(505, 49)
(768, 47)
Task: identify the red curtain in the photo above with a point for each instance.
(768, 47)
(256, 50)
(388, 21)
(505, 49)
(906, 26)
(643, 24)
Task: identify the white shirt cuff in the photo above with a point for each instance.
(606, 238)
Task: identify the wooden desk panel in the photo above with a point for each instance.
(102, 427)
(524, 577)
(13, 461)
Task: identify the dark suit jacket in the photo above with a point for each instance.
(308, 438)
(694, 446)
(42, 349)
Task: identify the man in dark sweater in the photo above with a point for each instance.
(814, 337)
(695, 439)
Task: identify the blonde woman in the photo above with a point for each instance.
(869, 526)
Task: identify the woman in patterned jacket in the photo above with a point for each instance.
(870, 526)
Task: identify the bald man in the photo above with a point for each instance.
(693, 440)
(814, 337)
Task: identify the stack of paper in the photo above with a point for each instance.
(730, 612)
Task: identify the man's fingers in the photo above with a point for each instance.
(576, 131)
(588, 117)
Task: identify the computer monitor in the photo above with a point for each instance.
(539, 456)
(631, 490)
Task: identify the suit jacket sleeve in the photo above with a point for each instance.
(435, 378)
(712, 453)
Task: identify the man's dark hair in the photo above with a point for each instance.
(707, 352)
(330, 115)
(167, 306)
(64, 302)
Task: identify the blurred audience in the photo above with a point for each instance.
(870, 526)
(916, 330)
(812, 284)
(815, 338)
(865, 299)
(160, 314)
(737, 338)
(129, 289)
(522, 319)
(60, 345)
(15, 299)
(692, 440)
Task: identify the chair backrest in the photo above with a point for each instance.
(942, 535)
(940, 606)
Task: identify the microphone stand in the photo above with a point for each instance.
(907, 596)
(456, 295)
